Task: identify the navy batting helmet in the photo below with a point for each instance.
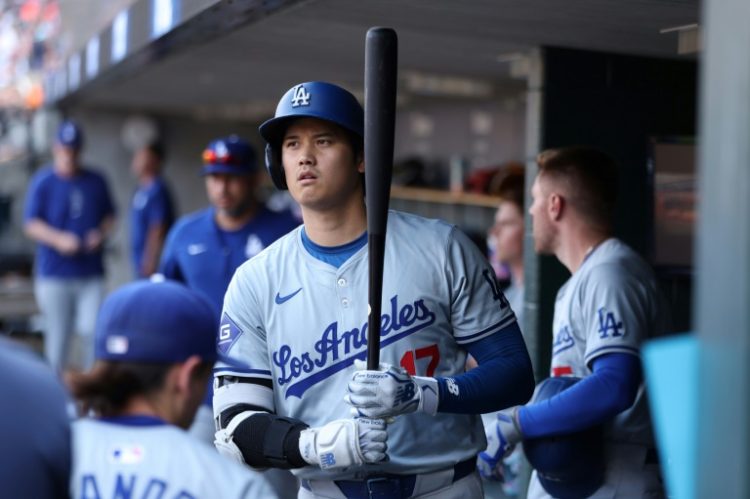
(314, 99)
(231, 155)
(568, 466)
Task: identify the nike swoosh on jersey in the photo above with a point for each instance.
(281, 299)
(196, 249)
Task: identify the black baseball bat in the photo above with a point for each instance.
(381, 59)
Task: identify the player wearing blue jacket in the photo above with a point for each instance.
(154, 352)
(603, 313)
(151, 210)
(69, 213)
(204, 248)
(294, 323)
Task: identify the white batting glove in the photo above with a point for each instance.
(389, 392)
(344, 443)
(502, 437)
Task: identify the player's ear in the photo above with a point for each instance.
(187, 372)
(555, 206)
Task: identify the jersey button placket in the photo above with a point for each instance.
(342, 284)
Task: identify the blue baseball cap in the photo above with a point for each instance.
(231, 155)
(70, 135)
(161, 322)
(570, 465)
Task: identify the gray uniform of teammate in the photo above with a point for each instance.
(611, 305)
(154, 358)
(431, 307)
(152, 459)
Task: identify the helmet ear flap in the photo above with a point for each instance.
(275, 168)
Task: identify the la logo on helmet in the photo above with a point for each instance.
(301, 97)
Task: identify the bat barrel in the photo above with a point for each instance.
(381, 53)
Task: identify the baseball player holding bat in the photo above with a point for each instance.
(603, 313)
(295, 321)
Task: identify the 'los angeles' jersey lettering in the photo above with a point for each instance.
(340, 349)
(130, 487)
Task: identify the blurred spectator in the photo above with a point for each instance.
(151, 210)
(35, 427)
(29, 47)
(505, 241)
(505, 238)
(69, 213)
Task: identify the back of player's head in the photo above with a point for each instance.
(70, 134)
(315, 99)
(144, 331)
(158, 322)
(587, 176)
(229, 155)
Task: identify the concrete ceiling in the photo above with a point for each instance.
(242, 72)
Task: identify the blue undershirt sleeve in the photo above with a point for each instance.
(503, 378)
(611, 389)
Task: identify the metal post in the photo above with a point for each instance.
(722, 295)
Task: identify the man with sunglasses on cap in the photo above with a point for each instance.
(69, 214)
(204, 248)
(154, 354)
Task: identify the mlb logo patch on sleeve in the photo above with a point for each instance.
(228, 334)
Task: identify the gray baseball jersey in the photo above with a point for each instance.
(611, 304)
(300, 323)
(148, 459)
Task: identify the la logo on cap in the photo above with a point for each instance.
(300, 96)
(68, 132)
(221, 149)
(117, 345)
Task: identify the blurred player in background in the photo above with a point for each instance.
(294, 322)
(34, 425)
(506, 237)
(204, 248)
(506, 247)
(69, 213)
(603, 313)
(151, 210)
(154, 352)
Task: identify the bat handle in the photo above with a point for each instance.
(376, 248)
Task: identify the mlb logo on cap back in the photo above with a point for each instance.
(117, 345)
(229, 155)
